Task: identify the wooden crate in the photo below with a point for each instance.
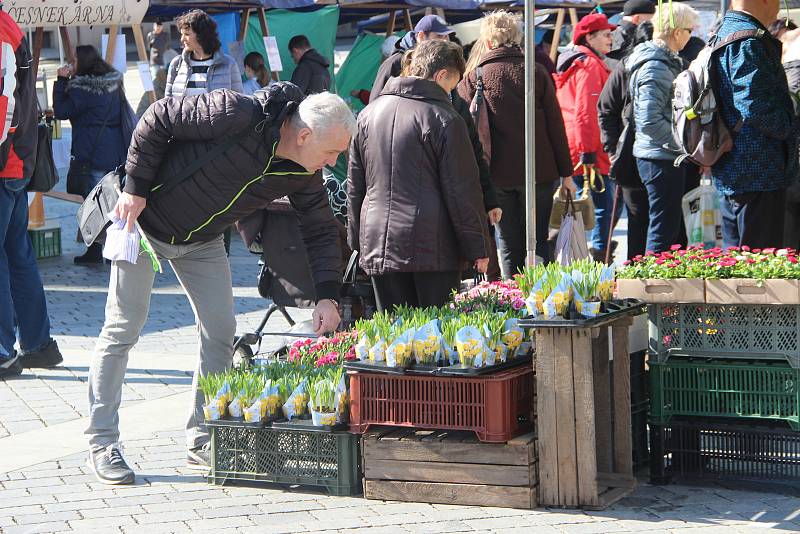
(448, 467)
(583, 412)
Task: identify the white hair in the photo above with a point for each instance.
(322, 111)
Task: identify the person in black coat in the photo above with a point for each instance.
(93, 101)
(312, 74)
(614, 111)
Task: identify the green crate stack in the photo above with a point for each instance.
(46, 241)
(730, 368)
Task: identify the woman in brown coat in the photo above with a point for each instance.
(415, 205)
(500, 61)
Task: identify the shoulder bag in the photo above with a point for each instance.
(79, 176)
(94, 215)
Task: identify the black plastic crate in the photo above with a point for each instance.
(718, 449)
(640, 383)
(330, 460)
(641, 444)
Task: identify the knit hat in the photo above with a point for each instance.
(638, 7)
(590, 24)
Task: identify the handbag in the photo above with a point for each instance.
(45, 174)
(583, 204)
(79, 176)
(94, 215)
(623, 164)
(480, 115)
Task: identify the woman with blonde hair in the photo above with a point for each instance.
(498, 61)
(653, 66)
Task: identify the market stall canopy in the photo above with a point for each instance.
(55, 13)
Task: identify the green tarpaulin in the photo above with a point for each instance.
(319, 26)
(359, 69)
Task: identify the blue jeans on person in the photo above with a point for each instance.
(665, 184)
(22, 302)
(603, 204)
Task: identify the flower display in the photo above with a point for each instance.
(324, 350)
(714, 263)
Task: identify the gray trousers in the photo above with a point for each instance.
(204, 273)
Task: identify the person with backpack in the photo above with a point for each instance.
(580, 76)
(94, 102)
(653, 66)
(615, 113)
(757, 109)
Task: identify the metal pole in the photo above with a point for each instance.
(530, 128)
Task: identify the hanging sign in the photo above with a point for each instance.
(54, 13)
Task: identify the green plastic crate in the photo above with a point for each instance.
(714, 388)
(744, 331)
(46, 241)
(330, 460)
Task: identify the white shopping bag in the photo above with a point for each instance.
(571, 242)
(702, 216)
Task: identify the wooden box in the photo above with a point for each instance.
(584, 415)
(749, 291)
(448, 467)
(683, 290)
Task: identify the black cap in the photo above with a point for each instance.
(639, 7)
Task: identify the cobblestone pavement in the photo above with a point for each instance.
(58, 494)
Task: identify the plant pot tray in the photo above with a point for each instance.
(443, 370)
(614, 310)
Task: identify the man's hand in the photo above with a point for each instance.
(495, 215)
(482, 265)
(128, 208)
(325, 317)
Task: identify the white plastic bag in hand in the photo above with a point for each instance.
(702, 216)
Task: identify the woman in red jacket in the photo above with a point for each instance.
(580, 76)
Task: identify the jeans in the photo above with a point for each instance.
(23, 308)
(603, 204)
(204, 273)
(753, 219)
(665, 184)
(511, 242)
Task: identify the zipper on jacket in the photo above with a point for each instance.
(242, 190)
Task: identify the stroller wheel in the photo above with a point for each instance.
(242, 357)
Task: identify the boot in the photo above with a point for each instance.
(94, 254)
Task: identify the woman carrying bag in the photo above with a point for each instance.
(93, 101)
(580, 77)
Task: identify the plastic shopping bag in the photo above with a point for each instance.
(702, 216)
(571, 242)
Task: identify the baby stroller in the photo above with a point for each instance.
(285, 278)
